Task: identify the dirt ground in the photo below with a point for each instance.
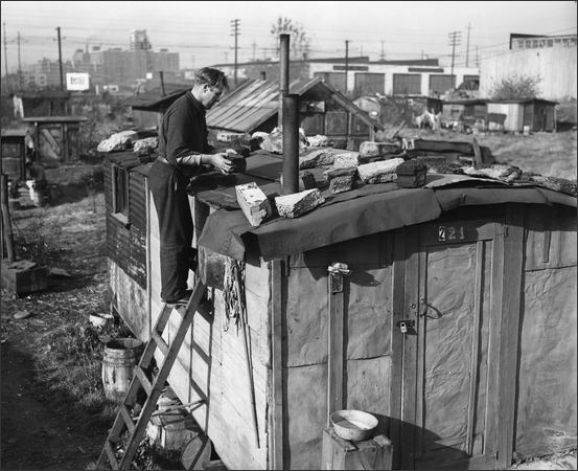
(42, 427)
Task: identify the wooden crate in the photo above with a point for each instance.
(343, 454)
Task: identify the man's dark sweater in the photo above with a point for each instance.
(183, 130)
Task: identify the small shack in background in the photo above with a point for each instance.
(46, 103)
(469, 110)
(534, 114)
(56, 137)
(13, 153)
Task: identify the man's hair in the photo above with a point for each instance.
(211, 77)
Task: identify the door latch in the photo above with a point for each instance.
(407, 327)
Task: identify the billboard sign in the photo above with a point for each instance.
(77, 81)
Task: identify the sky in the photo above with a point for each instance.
(201, 32)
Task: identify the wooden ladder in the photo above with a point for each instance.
(141, 381)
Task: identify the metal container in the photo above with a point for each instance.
(119, 360)
(353, 425)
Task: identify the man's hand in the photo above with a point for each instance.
(221, 163)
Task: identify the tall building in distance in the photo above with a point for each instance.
(113, 66)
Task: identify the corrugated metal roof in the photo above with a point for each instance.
(253, 103)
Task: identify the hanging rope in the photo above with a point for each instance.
(234, 276)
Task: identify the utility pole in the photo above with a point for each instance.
(455, 38)
(346, 64)
(235, 32)
(5, 53)
(60, 58)
(19, 65)
(382, 55)
(468, 46)
(254, 50)
(477, 56)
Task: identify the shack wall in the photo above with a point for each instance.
(126, 251)
(514, 115)
(547, 410)
(223, 380)
(368, 317)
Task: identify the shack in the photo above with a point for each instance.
(56, 137)
(46, 103)
(533, 114)
(471, 111)
(459, 315)
(13, 154)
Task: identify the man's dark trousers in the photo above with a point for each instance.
(169, 189)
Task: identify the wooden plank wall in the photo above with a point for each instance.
(126, 246)
(223, 379)
(368, 317)
(126, 251)
(546, 396)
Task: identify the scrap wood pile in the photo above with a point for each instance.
(405, 164)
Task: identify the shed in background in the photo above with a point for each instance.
(535, 113)
(56, 137)
(46, 103)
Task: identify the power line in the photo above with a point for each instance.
(468, 47)
(455, 38)
(235, 32)
(5, 52)
(60, 58)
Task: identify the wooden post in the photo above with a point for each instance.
(7, 238)
(277, 455)
(336, 349)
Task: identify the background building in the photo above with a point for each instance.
(555, 65)
(408, 77)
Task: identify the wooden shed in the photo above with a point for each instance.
(56, 137)
(13, 153)
(533, 114)
(458, 317)
(470, 110)
(46, 103)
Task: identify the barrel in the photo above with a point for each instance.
(118, 362)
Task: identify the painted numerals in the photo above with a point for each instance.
(451, 233)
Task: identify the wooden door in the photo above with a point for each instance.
(448, 327)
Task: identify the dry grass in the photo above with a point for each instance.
(549, 154)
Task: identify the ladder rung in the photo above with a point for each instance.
(144, 381)
(110, 455)
(199, 391)
(204, 356)
(161, 344)
(127, 418)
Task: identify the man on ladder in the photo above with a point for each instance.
(183, 152)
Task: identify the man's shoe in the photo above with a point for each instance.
(181, 301)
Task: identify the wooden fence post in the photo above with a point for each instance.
(7, 238)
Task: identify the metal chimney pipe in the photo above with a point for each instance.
(290, 144)
(283, 73)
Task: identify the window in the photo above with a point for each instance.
(120, 194)
(406, 84)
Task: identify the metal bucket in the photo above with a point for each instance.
(119, 360)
